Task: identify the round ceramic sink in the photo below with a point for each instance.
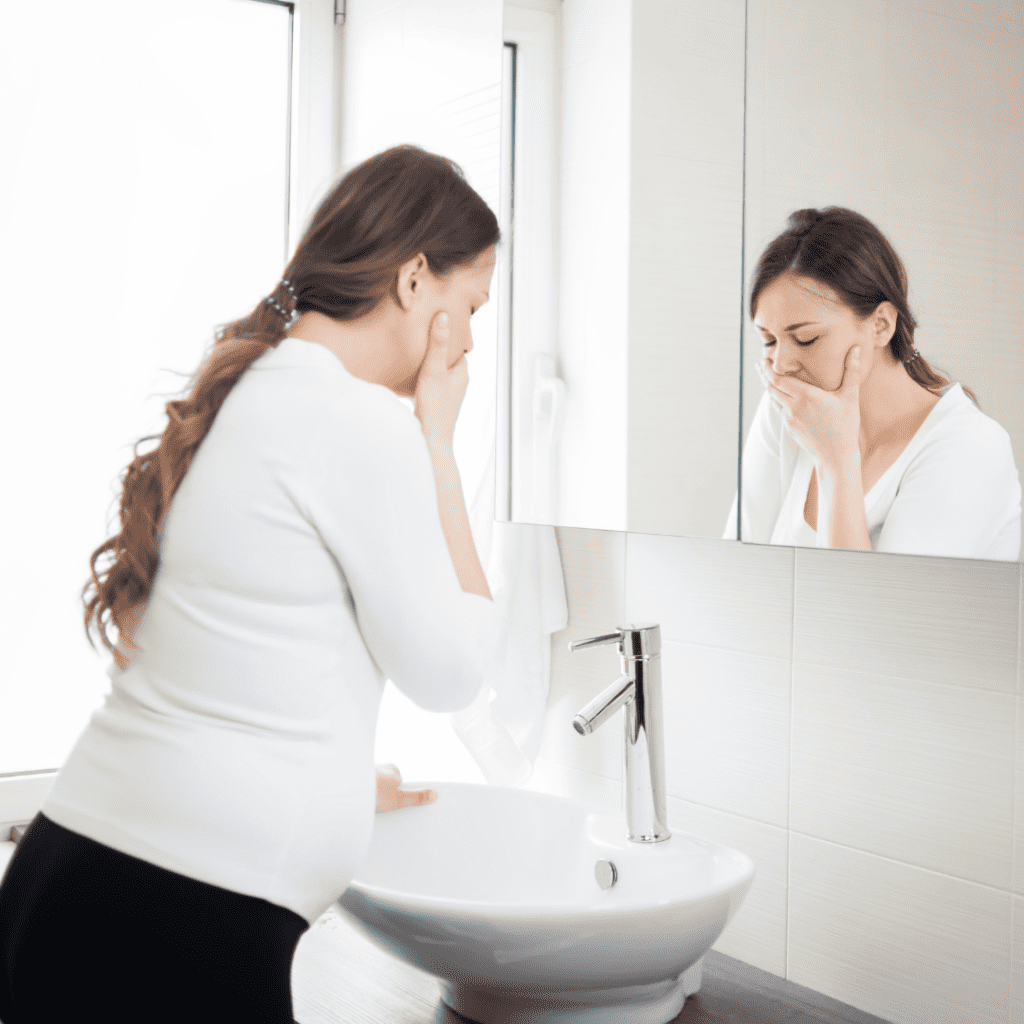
(495, 892)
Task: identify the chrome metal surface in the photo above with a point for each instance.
(595, 641)
(638, 692)
(606, 873)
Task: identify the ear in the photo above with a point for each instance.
(411, 276)
(883, 323)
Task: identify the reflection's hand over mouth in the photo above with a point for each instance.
(825, 423)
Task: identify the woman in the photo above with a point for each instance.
(317, 543)
(857, 442)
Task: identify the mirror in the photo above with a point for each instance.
(910, 115)
(624, 379)
(626, 263)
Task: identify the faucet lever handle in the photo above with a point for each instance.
(596, 641)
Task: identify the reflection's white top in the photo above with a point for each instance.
(302, 562)
(953, 491)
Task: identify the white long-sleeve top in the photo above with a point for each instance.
(953, 491)
(302, 563)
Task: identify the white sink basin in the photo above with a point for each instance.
(494, 891)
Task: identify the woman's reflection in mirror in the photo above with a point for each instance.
(858, 442)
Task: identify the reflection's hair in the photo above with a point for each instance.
(381, 214)
(845, 251)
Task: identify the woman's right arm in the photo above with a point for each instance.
(439, 394)
(451, 505)
(369, 485)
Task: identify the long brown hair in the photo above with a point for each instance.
(845, 251)
(381, 214)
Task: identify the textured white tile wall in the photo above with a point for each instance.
(912, 946)
(1017, 963)
(853, 722)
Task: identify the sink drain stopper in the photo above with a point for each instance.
(606, 873)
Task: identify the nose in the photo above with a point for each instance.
(784, 360)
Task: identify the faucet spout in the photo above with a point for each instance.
(638, 692)
(604, 705)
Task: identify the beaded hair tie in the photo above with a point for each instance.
(270, 300)
(916, 355)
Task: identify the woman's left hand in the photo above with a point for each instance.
(391, 798)
(825, 423)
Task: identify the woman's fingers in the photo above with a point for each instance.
(441, 388)
(413, 797)
(391, 798)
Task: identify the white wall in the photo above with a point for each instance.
(594, 294)
(685, 264)
(854, 723)
(651, 199)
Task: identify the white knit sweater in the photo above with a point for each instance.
(302, 563)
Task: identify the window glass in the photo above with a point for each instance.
(143, 154)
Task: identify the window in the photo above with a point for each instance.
(145, 199)
(528, 378)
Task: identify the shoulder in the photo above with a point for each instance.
(967, 437)
(368, 423)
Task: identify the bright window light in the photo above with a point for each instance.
(144, 155)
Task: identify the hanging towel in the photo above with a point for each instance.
(502, 728)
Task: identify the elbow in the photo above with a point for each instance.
(451, 686)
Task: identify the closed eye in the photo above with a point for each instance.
(802, 344)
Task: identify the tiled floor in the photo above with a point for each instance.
(340, 976)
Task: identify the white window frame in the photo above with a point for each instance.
(535, 27)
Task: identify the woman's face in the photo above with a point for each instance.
(807, 331)
(422, 296)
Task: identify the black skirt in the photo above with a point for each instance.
(90, 933)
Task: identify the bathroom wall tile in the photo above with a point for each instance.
(757, 934)
(919, 772)
(1017, 962)
(907, 944)
(998, 15)
(957, 46)
(729, 595)
(1018, 801)
(942, 620)
(600, 753)
(680, 51)
(593, 564)
(573, 784)
(727, 730)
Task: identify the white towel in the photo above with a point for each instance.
(502, 728)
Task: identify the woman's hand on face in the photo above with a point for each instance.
(825, 423)
(440, 388)
(391, 798)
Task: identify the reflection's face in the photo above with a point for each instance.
(808, 331)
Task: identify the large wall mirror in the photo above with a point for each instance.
(671, 145)
(908, 114)
(626, 263)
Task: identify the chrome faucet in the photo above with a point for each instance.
(638, 690)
